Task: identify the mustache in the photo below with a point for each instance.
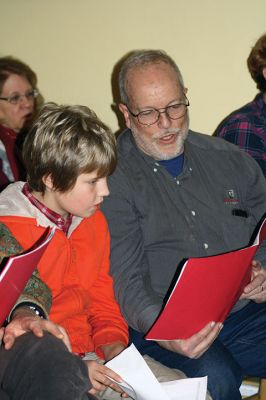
(170, 131)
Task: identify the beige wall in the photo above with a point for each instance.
(74, 44)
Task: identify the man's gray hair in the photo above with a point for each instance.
(139, 58)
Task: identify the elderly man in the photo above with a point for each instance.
(177, 194)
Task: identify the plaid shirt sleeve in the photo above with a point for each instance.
(246, 128)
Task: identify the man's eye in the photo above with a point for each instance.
(146, 112)
(175, 106)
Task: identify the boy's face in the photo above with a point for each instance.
(82, 200)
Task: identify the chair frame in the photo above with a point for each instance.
(262, 392)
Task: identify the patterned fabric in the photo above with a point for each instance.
(246, 128)
(11, 167)
(57, 219)
(36, 291)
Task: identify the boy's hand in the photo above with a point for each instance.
(25, 320)
(99, 374)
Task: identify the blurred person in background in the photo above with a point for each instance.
(19, 101)
(246, 127)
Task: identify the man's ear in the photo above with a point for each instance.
(264, 72)
(48, 182)
(125, 112)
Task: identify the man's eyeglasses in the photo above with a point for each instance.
(16, 98)
(152, 115)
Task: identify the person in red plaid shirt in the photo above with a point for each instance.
(246, 127)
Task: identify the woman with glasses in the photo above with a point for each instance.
(19, 98)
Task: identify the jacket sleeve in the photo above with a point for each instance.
(36, 291)
(255, 183)
(108, 325)
(139, 303)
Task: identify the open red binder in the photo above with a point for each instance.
(206, 290)
(17, 271)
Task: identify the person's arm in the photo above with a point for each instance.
(256, 196)
(36, 293)
(110, 331)
(139, 304)
(256, 200)
(243, 133)
(31, 310)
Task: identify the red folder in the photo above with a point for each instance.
(206, 290)
(17, 271)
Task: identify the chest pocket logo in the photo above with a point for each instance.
(231, 197)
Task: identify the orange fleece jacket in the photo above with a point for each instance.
(77, 271)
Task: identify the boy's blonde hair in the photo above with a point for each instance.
(64, 142)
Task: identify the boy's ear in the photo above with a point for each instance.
(48, 182)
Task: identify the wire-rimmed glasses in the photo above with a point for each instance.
(16, 98)
(152, 115)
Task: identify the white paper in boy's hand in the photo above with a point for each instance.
(141, 384)
(126, 388)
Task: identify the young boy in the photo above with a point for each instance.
(68, 154)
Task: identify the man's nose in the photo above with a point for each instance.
(164, 120)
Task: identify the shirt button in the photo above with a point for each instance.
(193, 213)
(206, 246)
(155, 169)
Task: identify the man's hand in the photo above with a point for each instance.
(197, 344)
(256, 289)
(25, 320)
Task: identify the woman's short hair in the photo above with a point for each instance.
(139, 58)
(64, 142)
(257, 62)
(10, 65)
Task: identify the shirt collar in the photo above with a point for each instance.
(54, 217)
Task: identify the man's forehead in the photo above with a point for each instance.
(152, 82)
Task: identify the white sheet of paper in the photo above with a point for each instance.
(141, 384)
(186, 389)
(132, 368)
